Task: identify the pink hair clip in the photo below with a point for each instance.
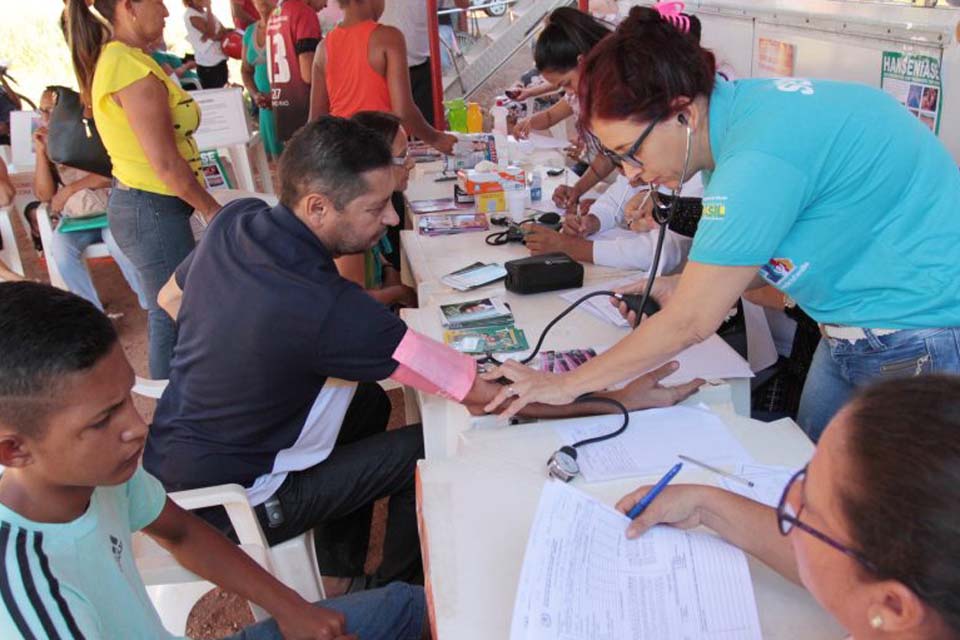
(672, 12)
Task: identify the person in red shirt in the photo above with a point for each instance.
(363, 67)
(293, 34)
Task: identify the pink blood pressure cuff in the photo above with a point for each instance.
(431, 366)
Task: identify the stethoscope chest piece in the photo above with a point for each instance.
(562, 465)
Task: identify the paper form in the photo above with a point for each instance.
(768, 483)
(583, 579)
(651, 443)
(600, 306)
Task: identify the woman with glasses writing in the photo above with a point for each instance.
(831, 192)
(869, 526)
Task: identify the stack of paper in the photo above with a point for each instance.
(485, 312)
(582, 579)
(438, 205)
(450, 224)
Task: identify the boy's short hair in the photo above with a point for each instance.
(45, 333)
(329, 156)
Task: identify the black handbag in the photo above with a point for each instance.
(72, 137)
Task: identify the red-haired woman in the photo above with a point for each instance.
(831, 192)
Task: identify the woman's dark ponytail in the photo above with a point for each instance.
(86, 35)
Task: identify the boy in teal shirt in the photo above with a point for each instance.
(73, 492)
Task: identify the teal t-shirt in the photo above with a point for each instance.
(846, 202)
(78, 579)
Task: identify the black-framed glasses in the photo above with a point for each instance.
(620, 159)
(788, 518)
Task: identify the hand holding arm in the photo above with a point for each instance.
(704, 295)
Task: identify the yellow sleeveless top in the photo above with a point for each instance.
(120, 66)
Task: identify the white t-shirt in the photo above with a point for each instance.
(207, 53)
(410, 17)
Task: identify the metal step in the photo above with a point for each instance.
(513, 31)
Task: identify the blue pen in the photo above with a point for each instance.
(653, 493)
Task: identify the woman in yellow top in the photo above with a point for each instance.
(146, 122)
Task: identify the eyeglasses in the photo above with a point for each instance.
(619, 159)
(400, 161)
(788, 518)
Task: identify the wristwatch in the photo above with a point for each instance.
(562, 465)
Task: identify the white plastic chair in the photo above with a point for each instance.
(9, 254)
(96, 250)
(174, 590)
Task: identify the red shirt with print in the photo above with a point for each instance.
(293, 28)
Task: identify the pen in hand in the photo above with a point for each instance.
(653, 493)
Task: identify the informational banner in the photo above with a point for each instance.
(214, 174)
(223, 118)
(914, 80)
(776, 58)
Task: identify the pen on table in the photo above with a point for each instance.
(719, 472)
(653, 493)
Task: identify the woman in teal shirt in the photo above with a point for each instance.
(256, 77)
(831, 192)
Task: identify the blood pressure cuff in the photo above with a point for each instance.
(431, 366)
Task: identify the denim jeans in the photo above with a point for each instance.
(153, 231)
(840, 366)
(395, 612)
(67, 252)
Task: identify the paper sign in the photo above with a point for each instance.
(775, 58)
(223, 118)
(915, 81)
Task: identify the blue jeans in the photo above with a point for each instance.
(67, 252)
(395, 612)
(153, 231)
(839, 367)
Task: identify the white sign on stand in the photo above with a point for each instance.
(223, 118)
(223, 126)
(22, 126)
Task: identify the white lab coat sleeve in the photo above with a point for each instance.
(608, 206)
(636, 251)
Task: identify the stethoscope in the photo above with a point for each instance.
(563, 465)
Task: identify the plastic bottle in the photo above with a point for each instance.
(499, 113)
(536, 187)
(474, 118)
(457, 115)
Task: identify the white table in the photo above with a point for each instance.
(426, 259)
(443, 421)
(476, 510)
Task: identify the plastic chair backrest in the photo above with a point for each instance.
(9, 254)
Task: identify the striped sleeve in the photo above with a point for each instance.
(35, 602)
